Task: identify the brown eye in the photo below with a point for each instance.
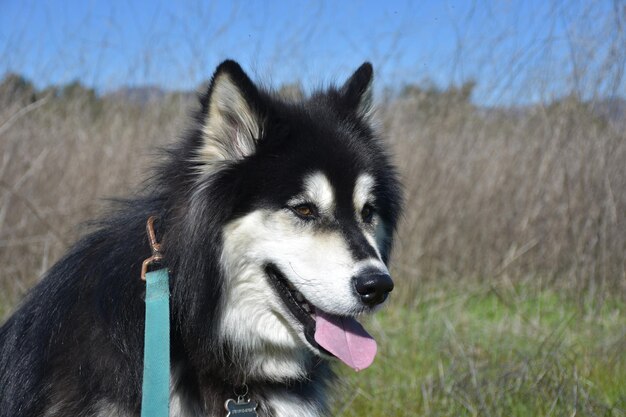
(305, 211)
(367, 213)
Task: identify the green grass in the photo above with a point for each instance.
(473, 350)
(488, 351)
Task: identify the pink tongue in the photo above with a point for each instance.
(345, 338)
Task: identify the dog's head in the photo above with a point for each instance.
(313, 208)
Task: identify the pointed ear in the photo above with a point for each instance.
(357, 91)
(230, 118)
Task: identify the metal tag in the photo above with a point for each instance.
(240, 408)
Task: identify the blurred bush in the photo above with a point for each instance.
(508, 193)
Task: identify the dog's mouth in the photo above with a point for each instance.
(339, 336)
(298, 306)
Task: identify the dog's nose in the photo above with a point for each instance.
(373, 287)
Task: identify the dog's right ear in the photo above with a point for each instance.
(230, 118)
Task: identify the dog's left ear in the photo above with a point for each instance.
(231, 115)
(357, 91)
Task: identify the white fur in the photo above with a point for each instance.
(371, 236)
(104, 408)
(372, 263)
(287, 405)
(253, 317)
(362, 194)
(318, 263)
(231, 126)
(317, 190)
(363, 191)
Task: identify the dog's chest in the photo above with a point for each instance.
(269, 404)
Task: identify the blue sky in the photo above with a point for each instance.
(517, 51)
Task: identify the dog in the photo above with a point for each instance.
(276, 220)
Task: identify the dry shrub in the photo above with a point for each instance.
(535, 192)
(60, 160)
(500, 193)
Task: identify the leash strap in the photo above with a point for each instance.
(156, 356)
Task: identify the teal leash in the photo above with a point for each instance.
(155, 401)
(155, 396)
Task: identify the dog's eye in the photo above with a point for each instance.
(367, 213)
(305, 211)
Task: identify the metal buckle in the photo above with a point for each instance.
(157, 256)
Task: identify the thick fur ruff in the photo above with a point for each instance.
(304, 190)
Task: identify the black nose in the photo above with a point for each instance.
(373, 287)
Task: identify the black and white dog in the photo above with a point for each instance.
(276, 220)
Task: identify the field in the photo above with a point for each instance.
(509, 262)
(470, 350)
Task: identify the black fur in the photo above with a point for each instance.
(74, 345)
